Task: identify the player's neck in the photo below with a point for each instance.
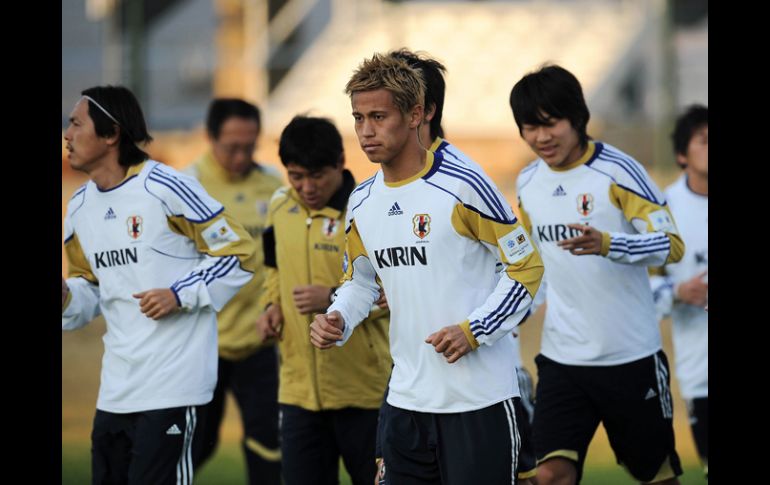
(698, 184)
(108, 174)
(406, 164)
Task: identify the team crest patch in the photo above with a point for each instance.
(219, 235)
(421, 225)
(135, 226)
(585, 204)
(330, 227)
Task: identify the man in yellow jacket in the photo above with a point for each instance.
(329, 400)
(248, 367)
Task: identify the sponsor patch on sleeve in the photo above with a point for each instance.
(219, 235)
(661, 221)
(515, 245)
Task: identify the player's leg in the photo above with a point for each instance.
(409, 448)
(110, 448)
(480, 446)
(637, 412)
(309, 453)
(210, 417)
(565, 421)
(254, 382)
(356, 431)
(161, 452)
(698, 411)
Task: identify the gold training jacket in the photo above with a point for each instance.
(306, 247)
(246, 198)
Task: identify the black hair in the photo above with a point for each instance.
(695, 117)
(222, 109)
(549, 92)
(311, 143)
(435, 87)
(129, 121)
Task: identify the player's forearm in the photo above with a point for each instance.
(648, 249)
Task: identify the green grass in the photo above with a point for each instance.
(227, 468)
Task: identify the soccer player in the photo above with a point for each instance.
(248, 366)
(431, 135)
(685, 284)
(432, 230)
(156, 255)
(599, 221)
(328, 400)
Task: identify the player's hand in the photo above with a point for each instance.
(450, 341)
(157, 303)
(589, 242)
(382, 301)
(65, 290)
(694, 291)
(311, 298)
(270, 322)
(326, 329)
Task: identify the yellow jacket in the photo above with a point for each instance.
(246, 199)
(309, 247)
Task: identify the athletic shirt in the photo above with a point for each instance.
(157, 229)
(434, 241)
(690, 323)
(600, 308)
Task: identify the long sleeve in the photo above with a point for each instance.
(520, 279)
(360, 289)
(229, 253)
(658, 241)
(82, 304)
(271, 291)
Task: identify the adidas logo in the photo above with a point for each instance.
(650, 394)
(395, 210)
(110, 214)
(294, 210)
(559, 191)
(174, 429)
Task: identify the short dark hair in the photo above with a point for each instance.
(554, 92)
(687, 124)
(435, 87)
(123, 106)
(222, 109)
(311, 143)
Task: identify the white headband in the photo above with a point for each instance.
(101, 108)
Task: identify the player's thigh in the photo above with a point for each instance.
(161, 452)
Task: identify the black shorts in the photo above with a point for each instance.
(480, 446)
(632, 400)
(698, 411)
(145, 447)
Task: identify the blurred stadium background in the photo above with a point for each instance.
(640, 62)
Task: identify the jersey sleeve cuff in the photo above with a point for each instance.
(606, 240)
(466, 328)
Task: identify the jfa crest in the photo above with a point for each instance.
(421, 225)
(135, 226)
(330, 227)
(585, 204)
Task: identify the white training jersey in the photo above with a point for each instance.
(157, 229)
(451, 152)
(690, 323)
(434, 241)
(600, 307)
